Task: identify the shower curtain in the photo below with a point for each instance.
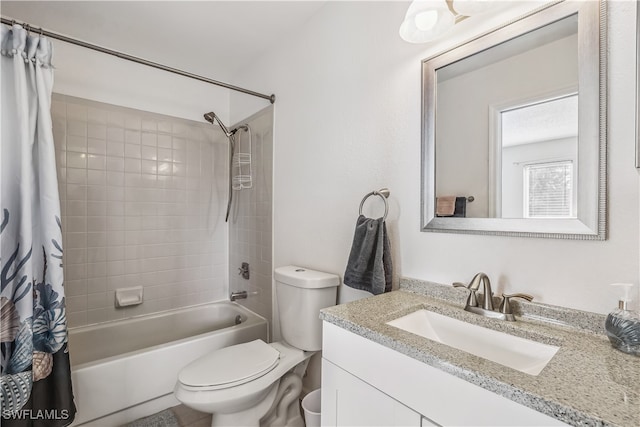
(35, 381)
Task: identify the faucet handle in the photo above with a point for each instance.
(505, 306)
(472, 301)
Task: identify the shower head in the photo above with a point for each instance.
(212, 118)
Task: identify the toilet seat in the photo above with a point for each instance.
(230, 366)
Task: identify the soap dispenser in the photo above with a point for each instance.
(623, 325)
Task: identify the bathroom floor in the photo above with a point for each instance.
(188, 417)
(178, 416)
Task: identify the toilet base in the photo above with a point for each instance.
(280, 408)
(250, 417)
(285, 411)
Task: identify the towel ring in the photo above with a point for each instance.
(384, 194)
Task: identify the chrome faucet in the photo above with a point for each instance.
(487, 309)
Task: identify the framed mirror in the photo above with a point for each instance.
(514, 128)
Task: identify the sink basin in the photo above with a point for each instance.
(514, 352)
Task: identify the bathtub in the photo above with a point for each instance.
(126, 369)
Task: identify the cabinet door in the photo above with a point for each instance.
(349, 401)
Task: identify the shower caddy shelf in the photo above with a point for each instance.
(241, 164)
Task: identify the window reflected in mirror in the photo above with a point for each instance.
(538, 149)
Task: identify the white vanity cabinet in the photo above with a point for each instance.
(367, 384)
(349, 401)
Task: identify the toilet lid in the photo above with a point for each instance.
(230, 366)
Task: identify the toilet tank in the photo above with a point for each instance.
(301, 294)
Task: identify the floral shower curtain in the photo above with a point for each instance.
(35, 381)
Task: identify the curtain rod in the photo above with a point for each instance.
(51, 34)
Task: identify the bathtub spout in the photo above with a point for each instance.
(238, 295)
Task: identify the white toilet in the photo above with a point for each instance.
(258, 384)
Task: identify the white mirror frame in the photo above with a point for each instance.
(591, 221)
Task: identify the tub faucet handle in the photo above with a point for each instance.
(244, 270)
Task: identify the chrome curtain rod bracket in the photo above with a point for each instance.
(271, 98)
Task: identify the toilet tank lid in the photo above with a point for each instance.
(301, 277)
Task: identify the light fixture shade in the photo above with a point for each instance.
(426, 20)
(472, 7)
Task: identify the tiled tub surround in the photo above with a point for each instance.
(250, 228)
(141, 198)
(587, 383)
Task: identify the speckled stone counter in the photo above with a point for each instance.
(587, 383)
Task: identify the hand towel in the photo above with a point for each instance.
(369, 267)
(461, 207)
(445, 205)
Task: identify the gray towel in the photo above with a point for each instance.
(461, 207)
(369, 267)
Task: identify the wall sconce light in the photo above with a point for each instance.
(427, 20)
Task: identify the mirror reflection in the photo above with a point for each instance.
(506, 138)
(514, 128)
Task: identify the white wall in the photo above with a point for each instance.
(348, 121)
(100, 77)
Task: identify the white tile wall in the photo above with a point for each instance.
(251, 221)
(141, 199)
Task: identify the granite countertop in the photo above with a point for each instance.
(587, 383)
